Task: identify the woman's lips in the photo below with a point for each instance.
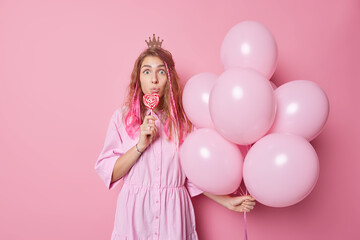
(154, 90)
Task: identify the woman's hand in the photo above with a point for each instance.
(240, 203)
(148, 132)
(237, 204)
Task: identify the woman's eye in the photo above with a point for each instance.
(146, 72)
(162, 72)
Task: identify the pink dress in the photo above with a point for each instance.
(154, 202)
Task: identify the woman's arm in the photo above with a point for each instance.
(124, 163)
(238, 204)
(148, 133)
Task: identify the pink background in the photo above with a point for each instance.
(64, 68)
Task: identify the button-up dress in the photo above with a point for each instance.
(154, 201)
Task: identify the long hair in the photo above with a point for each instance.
(176, 123)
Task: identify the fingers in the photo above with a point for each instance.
(149, 119)
(249, 198)
(247, 206)
(240, 199)
(154, 133)
(148, 123)
(243, 203)
(148, 129)
(243, 208)
(246, 209)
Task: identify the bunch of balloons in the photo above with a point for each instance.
(242, 108)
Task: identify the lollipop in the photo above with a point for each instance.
(151, 101)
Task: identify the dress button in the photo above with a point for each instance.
(157, 217)
(157, 201)
(157, 169)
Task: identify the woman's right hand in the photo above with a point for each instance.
(148, 132)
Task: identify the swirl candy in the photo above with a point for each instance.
(151, 100)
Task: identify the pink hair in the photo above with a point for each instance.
(173, 107)
(133, 117)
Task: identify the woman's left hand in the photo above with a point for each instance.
(237, 204)
(240, 203)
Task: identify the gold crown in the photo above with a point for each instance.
(154, 42)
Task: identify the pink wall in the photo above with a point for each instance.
(64, 66)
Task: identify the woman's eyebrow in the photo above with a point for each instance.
(149, 66)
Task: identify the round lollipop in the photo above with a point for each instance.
(151, 101)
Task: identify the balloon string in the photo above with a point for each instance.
(246, 193)
(245, 228)
(241, 191)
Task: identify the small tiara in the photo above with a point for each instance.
(154, 42)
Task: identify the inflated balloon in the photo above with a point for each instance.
(250, 44)
(281, 169)
(302, 109)
(196, 99)
(211, 162)
(242, 105)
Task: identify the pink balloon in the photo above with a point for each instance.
(196, 99)
(250, 44)
(281, 169)
(211, 162)
(303, 109)
(242, 105)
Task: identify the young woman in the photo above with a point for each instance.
(142, 149)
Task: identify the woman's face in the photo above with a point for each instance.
(153, 76)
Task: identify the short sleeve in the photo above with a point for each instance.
(192, 189)
(112, 150)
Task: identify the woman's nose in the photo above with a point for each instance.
(154, 78)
